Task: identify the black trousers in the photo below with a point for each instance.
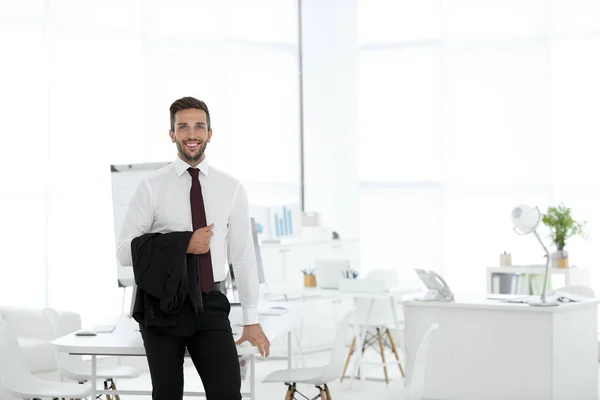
(211, 347)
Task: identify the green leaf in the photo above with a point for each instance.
(562, 225)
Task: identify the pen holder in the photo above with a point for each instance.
(310, 280)
(559, 259)
(563, 262)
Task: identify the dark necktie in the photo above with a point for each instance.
(199, 221)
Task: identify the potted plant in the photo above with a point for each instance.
(562, 226)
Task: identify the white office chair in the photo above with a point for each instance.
(16, 379)
(319, 376)
(376, 317)
(72, 367)
(414, 390)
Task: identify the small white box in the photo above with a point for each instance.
(310, 219)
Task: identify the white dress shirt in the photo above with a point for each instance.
(161, 204)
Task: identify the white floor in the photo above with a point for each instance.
(277, 391)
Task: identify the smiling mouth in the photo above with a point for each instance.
(192, 145)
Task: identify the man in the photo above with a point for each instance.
(190, 201)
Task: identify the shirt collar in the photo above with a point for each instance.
(181, 166)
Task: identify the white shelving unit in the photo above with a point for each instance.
(572, 275)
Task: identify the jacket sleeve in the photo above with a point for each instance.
(159, 267)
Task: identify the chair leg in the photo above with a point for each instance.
(327, 392)
(289, 395)
(348, 359)
(106, 388)
(113, 386)
(364, 346)
(395, 351)
(382, 356)
(323, 394)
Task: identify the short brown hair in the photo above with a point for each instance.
(186, 103)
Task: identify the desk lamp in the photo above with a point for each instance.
(526, 220)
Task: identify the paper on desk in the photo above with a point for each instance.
(562, 296)
(274, 311)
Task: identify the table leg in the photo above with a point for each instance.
(396, 320)
(362, 340)
(300, 359)
(289, 349)
(399, 332)
(299, 339)
(93, 378)
(252, 376)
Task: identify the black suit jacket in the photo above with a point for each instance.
(166, 278)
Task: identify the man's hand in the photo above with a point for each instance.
(200, 241)
(255, 335)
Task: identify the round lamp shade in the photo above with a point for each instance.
(526, 218)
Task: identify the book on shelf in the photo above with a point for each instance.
(521, 284)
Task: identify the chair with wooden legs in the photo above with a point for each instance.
(384, 341)
(374, 316)
(416, 385)
(320, 376)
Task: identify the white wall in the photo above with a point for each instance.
(330, 75)
(468, 108)
(93, 89)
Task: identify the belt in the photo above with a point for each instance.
(217, 287)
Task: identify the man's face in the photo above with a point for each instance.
(191, 135)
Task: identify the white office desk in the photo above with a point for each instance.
(487, 349)
(126, 340)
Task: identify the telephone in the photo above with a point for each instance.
(438, 288)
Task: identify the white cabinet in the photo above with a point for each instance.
(283, 262)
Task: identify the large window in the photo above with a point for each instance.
(89, 84)
(468, 108)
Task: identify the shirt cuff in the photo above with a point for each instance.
(250, 316)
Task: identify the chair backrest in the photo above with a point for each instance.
(66, 362)
(27, 322)
(338, 350)
(389, 276)
(13, 369)
(579, 290)
(417, 380)
(58, 328)
(71, 321)
(379, 311)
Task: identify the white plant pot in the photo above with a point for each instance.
(556, 256)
